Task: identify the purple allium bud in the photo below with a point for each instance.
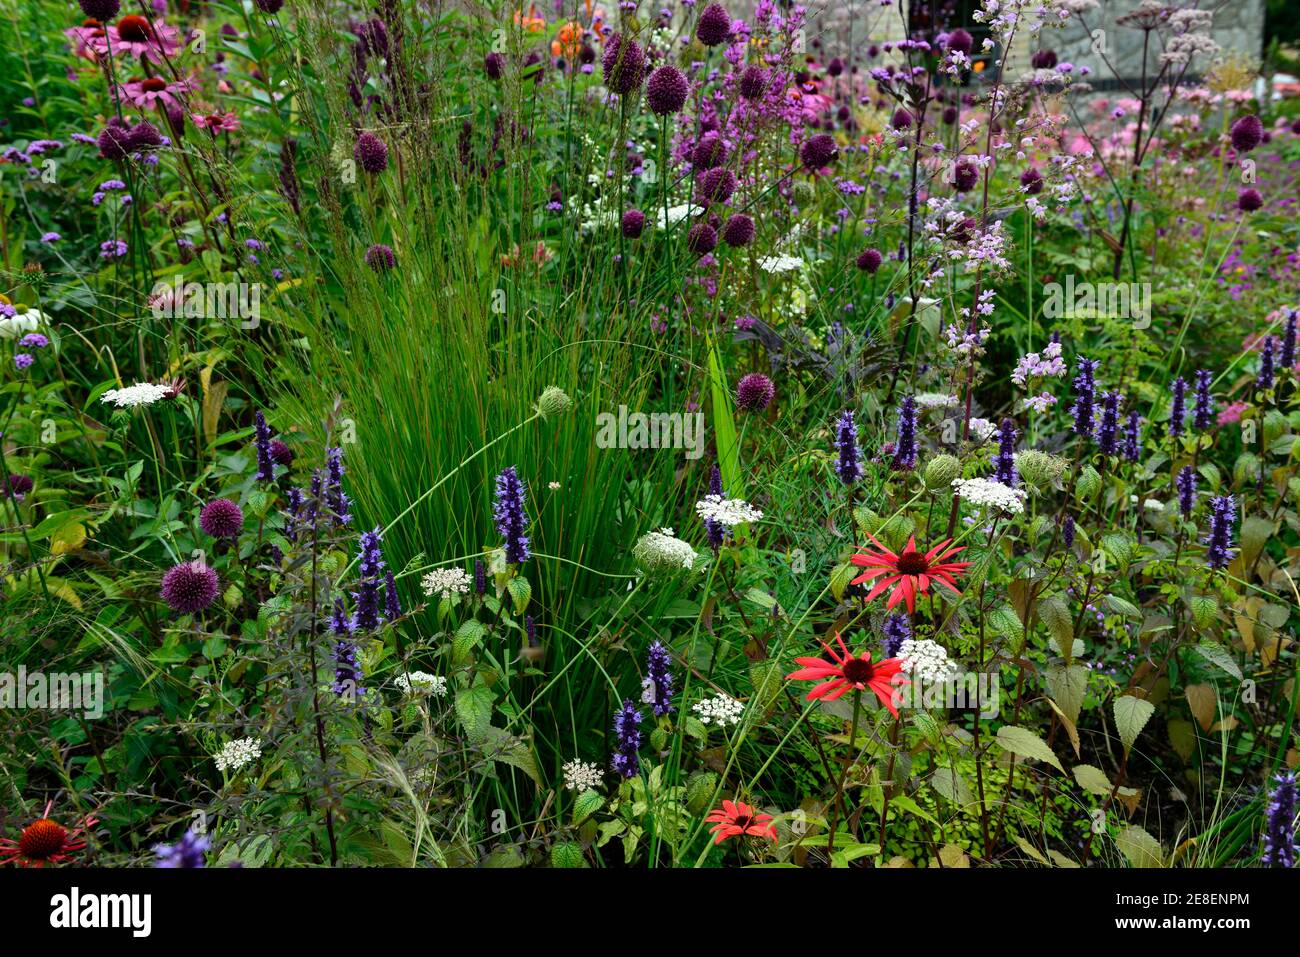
(960, 41)
(633, 223)
(714, 26)
(1286, 357)
(101, 10)
(869, 260)
(709, 151)
(281, 454)
(965, 176)
(702, 238)
(480, 577)
(624, 64)
(1109, 425)
(335, 497)
(1265, 378)
(189, 850)
(753, 82)
(738, 231)
(19, 486)
(950, 115)
(625, 761)
(114, 142)
(222, 518)
(380, 257)
(714, 186)
(1085, 385)
(1280, 846)
(1246, 133)
(1031, 181)
(262, 442)
(1178, 407)
(392, 606)
(1004, 463)
(1043, 59)
(189, 587)
(269, 6)
(902, 119)
(1067, 531)
(1185, 483)
(371, 153)
(905, 448)
(714, 529)
(897, 630)
(1218, 551)
(658, 685)
(1249, 200)
(494, 65)
(1133, 436)
(755, 392)
(1203, 414)
(666, 90)
(847, 464)
(819, 152)
(511, 519)
(143, 136)
(835, 67)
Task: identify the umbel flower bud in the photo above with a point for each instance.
(940, 471)
(554, 401)
(1038, 468)
(1089, 483)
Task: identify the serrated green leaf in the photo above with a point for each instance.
(1026, 744)
(1131, 716)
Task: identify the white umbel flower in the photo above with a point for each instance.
(982, 429)
(142, 393)
(937, 400)
(421, 683)
(926, 661)
(727, 512)
(582, 775)
(721, 710)
(236, 754)
(985, 493)
(662, 551)
(446, 582)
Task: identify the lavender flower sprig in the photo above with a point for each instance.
(511, 518)
(626, 762)
(1219, 543)
(1280, 846)
(847, 466)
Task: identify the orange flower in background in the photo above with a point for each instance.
(735, 819)
(44, 841)
(533, 22)
(568, 42)
(909, 571)
(847, 672)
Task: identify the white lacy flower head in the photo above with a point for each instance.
(582, 775)
(678, 213)
(935, 400)
(142, 393)
(421, 683)
(238, 753)
(727, 512)
(662, 551)
(926, 661)
(780, 264)
(721, 710)
(986, 493)
(982, 429)
(446, 582)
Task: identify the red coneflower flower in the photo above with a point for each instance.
(735, 818)
(845, 673)
(44, 841)
(910, 570)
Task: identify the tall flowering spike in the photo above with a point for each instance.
(340, 621)
(530, 631)
(847, 466)
(1280, 846)
(1203, 413)
(1067, 531)
(1178, 409)
(392, 606)
(510, 516)
(1004, 463)
(1133, 436)
(347, 670)
(1107, 429)
(625, 761)
(368, 617)
(1218, 552)
(1265, 378)
(897, 630)
(712, 527)
(1286, 357)
(480, 577)
(1085, 391)
(335, 497)
(262, 440)
(1186, 485)
(905, 450)
(658, 684)
(187, 852)
(294, 512)
(371, 563)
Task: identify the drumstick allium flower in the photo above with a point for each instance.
(736, 819)
(909, 571)
(847, 672)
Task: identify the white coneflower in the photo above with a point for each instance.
(662, 551)
(142, 393)
(986, 493)
(238, 753)
(727, 512)
(446, 582)
(421, 683)
(721, 710)
(582, 775)
(21, 322)
(927, 661)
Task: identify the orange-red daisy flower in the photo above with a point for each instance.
(849, 673)
(44, 841)
(910, 570)
(736, 818)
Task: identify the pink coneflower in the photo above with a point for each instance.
(84, 38)
(847, 672)
(44, 841)
(216, 122)
(909, 572)
(154, 89)
(736, 819)
(135, 36)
